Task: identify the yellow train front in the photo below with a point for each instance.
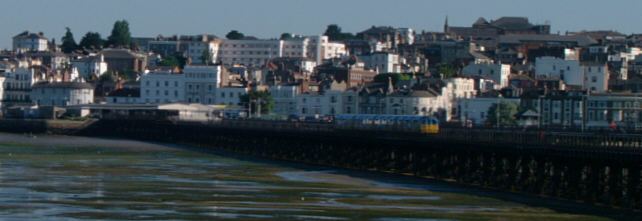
(397, 123)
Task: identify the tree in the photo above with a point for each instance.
(206, 57)
(234, 35)
(507, 112)
(286, 36)
(175, 60)
(91, 40)
(252, 100)
(68, 42)
(395, 77)
(447, 71)
(120, 35)
(334, 33)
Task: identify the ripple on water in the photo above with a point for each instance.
(309, 217)
(400, 197)
(237, 215)
(409, 219)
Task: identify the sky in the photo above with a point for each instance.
(270, 18)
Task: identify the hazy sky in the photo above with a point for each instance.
(270, 18)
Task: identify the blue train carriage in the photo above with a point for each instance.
(400, 123)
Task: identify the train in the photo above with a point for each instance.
(398, 123)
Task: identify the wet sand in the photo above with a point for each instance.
(76, 178)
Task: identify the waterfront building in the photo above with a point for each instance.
(285, 98)
(162, 87)
(62, 94)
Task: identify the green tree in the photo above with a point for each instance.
(507, 112)
(334, 33)
(234, 35)
(175, 60)
(447, 71)
(395, 77)
(68, 42)
(92, 40)
(252, 99)
(120, 35)
(286, 36)
(206, 57)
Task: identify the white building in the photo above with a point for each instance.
(2, 84)
(17, 85)
(476, 110)
(249, 53)
(596, 77)
(285, 99)
(382, 62)
(162, 87)
(201, 83)
(624, 110)
(567, 70)
(593, 77)
(196, 49)
(90, 66)
(26, 41)
(320, 104)
(62, 94)
(441, 104)
(407, 35)
(229, 95)
(256, 52)
(496, 72)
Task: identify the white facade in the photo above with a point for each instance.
(17, 85)
(496, 72)
(90, 66)
(592, 77)
(229, 95)
(442, 104)
(382, 62)
(315, 104)
(30, 42)
(567, 70)
(596, 77)
(257, 52)
(196, 49)
(285, 99)
(162, 87)
(197, 84)
(62, 94)
(476, 110)
(624, 110)
(2, 84)
(201, 83)
(416, 103)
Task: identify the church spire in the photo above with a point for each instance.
(446, 25)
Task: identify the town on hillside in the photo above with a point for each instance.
(493, 72)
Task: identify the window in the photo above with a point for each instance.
(594, 79)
